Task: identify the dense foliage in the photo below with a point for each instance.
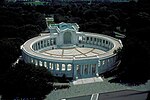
(23, 80)
(20, 23)
(26, 81)
(10, 51)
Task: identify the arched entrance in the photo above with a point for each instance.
(67, 38)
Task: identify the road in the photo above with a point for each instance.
(118, 95)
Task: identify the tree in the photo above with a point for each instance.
(26, 80)
(134, 68)
(10, 50)
(1, 2)
(89, 14)
(28, 31)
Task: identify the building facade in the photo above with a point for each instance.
(65, 50)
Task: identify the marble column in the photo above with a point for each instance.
(88, 69)
(47, 63)
(60, 67)
(53, 65)
(66, 69)
(74, 71)
(41, 63)
(96, 70)
(83, 70)
(80, 69)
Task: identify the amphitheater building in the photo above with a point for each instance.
(66, 51)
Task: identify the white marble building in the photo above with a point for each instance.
(67, 51)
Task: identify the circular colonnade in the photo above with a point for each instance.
(66, 51)
(94, 54)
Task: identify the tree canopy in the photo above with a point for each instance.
(26, 81)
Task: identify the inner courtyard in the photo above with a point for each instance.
(73, 52)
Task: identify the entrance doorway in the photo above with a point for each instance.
(67, 38)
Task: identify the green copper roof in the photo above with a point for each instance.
(63, 26)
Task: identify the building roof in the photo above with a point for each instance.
(63, 26)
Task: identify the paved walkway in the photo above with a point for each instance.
(87, 80)
(61, 84)
(73, 52)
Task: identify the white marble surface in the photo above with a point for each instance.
(73, 52)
